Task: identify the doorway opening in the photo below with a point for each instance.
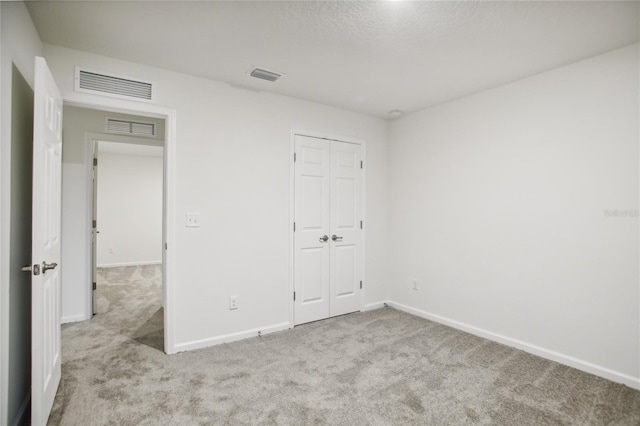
(122, 228)
(127, 239)
(18, 320)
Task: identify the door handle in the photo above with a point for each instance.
(28, 268)
(334, 237)
(324, 239)
(47, 266)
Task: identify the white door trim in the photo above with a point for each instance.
(169, 115)
(292, 199)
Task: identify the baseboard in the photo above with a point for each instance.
(73, 318)
(212, 341)
(22, 412)
(615, 376)
(116, 265)
(376, 305)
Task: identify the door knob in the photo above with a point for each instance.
(324, 239)
(334, 237)
(47, 266)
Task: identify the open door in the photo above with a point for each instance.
(94, 233)
(45, 252)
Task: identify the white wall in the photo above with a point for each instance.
(19, 44)
(499, 205)
(129, 207)
(232, 166)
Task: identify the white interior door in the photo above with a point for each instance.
(328, 255)
(45, 275)
(311, 237)
(346, 233)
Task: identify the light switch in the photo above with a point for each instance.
(193, 220)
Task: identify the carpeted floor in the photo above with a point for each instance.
(379, 367)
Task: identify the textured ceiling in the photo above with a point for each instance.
(367, 56)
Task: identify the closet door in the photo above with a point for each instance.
(328, 255)
(312, 221)
(346, 233)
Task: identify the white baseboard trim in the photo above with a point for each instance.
(115, 265)
(376, 305)
(73, 318)
(212, 341)
(22, 412)
(615, 376)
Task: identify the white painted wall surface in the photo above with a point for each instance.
(129, 208)
(20, 44)
(499, 205)
(232, 166)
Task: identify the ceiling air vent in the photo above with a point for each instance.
(112, 85)
(132, 128)
(265, 74)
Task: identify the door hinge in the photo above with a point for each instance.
(165, 246)
(294, 296)
(294, 157)
(361, 164)
(360, 224)
(294, 227)
(95, 286)
(95, 224)
(95, 161)
(360, 285)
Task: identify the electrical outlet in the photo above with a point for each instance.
(192, 220)
(233, 302)
(414, 284)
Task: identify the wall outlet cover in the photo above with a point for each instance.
(233, 302)
(192, 220)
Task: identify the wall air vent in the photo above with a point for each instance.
(132, 128)
(265, 74)
(112, 85)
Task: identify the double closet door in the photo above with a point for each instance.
(328, 248)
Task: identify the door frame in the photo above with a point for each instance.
(82, 100)
(292, 199)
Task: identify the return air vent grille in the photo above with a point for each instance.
(265, 74)
(122, 87)
(132, 128)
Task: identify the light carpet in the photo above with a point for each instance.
(381, 367)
